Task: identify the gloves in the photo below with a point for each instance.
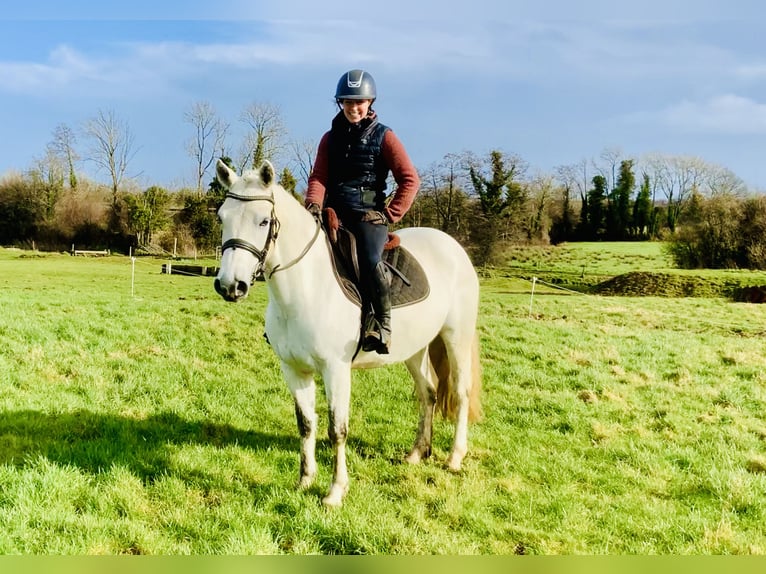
(315, 210)
(375, 217)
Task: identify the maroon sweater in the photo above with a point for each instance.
(405, 175)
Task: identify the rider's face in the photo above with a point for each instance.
(355, 110)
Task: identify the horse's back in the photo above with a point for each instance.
(454, 285)
(442, 257)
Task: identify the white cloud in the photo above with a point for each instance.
(131, 66)
(751, 71)
(725, 114)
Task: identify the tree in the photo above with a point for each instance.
(642, 210)
(677, 177)
(303, 159)
(541, 188)
(288, 181)
(47, 179)
(619, 212)
(112, 151)
(502, 198)
(753, 231)
(574, 177)
(596, 212)
(20, 210)
(442, 191)
(63, 147)
(201, 221)
(720, 180)
(714, 238)
(147, 212)
(501, 192)
(607, 168)
(208, 139)
(265, 140)
(216, 192)
(564, 222)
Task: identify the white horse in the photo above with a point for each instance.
(314, 328)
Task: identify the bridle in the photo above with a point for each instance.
(274, 227)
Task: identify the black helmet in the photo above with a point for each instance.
(356, 85)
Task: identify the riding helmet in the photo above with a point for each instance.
(356, 85)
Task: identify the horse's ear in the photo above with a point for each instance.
(225, 174)
(267, 173)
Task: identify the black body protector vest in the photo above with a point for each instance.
(358, 172)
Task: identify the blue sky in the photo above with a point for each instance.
(553, 81)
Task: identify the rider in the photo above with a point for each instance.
(349, 175)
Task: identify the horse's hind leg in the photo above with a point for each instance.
(303, 389)
(459, 353)
(419, 366)
(337, 384)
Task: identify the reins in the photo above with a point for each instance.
(302, 253)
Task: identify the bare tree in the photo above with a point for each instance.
(63, 147)
(679, 177)
(265, 140)
(111, 148)
(722, 181)
(303, 153)
(207, 143)
(609, 166)
(443, 186)
(541, 190)
(575, 177)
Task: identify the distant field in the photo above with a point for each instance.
(582, 266)
(141, 414)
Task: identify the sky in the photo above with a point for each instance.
(555, 82)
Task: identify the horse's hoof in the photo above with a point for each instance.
(454, 463)
(305, 482)
(334, 498)
(332, 501)
(413, 458)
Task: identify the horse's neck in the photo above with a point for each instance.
(308, 281)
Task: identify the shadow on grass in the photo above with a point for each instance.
(95, 442)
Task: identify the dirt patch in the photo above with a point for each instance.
(637, 284)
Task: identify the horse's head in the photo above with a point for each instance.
(249, 227)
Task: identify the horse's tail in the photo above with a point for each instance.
(446, 395)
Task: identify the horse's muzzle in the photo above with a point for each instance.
(233, 292)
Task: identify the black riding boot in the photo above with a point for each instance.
(377, 332)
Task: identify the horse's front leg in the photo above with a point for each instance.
(337, 381)
(303, 389)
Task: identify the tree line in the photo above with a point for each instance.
(704, 211)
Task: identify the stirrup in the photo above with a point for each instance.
(373, 342)
(374, 338)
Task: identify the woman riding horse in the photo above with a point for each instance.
(349, 175)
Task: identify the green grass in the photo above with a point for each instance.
(158, 423)
(585, 266)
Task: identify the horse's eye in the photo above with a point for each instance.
(265, 222)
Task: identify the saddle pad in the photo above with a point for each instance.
(399, 258)
(405, 263)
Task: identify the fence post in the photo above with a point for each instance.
(532, 296)
(132, 275)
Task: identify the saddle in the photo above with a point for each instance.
(409, 283)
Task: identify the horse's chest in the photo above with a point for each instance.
(309, 337)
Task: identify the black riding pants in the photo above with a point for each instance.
(370, 239)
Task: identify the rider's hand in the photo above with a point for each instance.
(315, 210)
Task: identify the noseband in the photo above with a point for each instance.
(274, 226)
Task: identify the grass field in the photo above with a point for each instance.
(140, 414)
(583, 266)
